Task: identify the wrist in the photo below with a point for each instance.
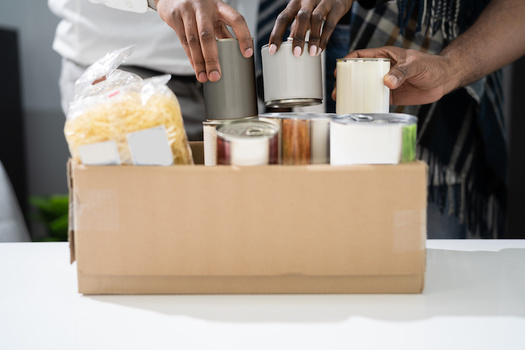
(454, 73)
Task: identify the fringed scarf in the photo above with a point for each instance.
(462, 137)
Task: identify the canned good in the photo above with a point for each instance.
(304, 137)
(291, 81)
(234, 95)
(360, 86)
(247, 143)
(209, 138)
(373, 139)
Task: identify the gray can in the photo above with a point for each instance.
(291, 81)
(234, 95)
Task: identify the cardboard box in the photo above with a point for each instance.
(270, 229)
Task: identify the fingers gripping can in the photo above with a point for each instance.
(247, 143)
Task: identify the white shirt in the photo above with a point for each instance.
(88, 31)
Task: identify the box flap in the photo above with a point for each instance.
(264, 221)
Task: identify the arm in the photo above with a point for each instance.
(197, 24)
(308, 14)
(495, 40)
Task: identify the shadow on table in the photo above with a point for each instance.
(458, 283)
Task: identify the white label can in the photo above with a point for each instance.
(360, 87)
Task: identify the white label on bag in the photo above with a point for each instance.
(100, 153)
(150, 147)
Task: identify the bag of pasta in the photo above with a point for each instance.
(118, 118)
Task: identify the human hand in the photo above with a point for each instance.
(308, 14)
(415, 78)
(197, 24)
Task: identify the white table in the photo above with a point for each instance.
(474, 299)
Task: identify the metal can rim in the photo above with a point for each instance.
(269, 126)
(298, 115)
(396, 118)
(363, 59)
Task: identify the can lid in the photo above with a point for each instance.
(293, 102)
(363, 59)
(288, 41)
(298, 115)
(247, 129)
(375, 118)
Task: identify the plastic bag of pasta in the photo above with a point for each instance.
(118, 118)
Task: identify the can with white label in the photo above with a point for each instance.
(360, 87)
(209, 138)
(291, 81)
(373, 139)
(247, 143)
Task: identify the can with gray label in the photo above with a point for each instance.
(291, 81)
(233, 96)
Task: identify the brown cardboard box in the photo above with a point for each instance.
(271, 229)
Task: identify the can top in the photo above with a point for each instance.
(298, 115)
(362, 59)
(375, 119)
(247, 129)
(284, 42)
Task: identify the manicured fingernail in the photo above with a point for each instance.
(248, 52)
(319, 51)
(214, 76)
(202, 77)
(392, 79)
(313, 50)
(272, 49)
(297, 51)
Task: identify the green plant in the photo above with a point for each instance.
(52, 211)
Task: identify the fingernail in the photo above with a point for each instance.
(272, 49)
(392, 79)
(202, 77)
(248, 52)
(313, 50)
(297, 51)
(319, 51)
(214, 76)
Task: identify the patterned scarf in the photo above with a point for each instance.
(462, 137)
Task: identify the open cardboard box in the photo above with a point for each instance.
(268, 229)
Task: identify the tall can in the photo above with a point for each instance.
(360, 87)
(373, 139)
(291, 81)
(247, 143)
(234, 95)
(304, 137)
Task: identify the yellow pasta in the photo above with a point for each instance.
(128, 111)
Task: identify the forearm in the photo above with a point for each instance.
(496, 39)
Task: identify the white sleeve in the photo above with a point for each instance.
(139, 6)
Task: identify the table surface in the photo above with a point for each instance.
(474, 298)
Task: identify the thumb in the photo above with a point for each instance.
(395, 77)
